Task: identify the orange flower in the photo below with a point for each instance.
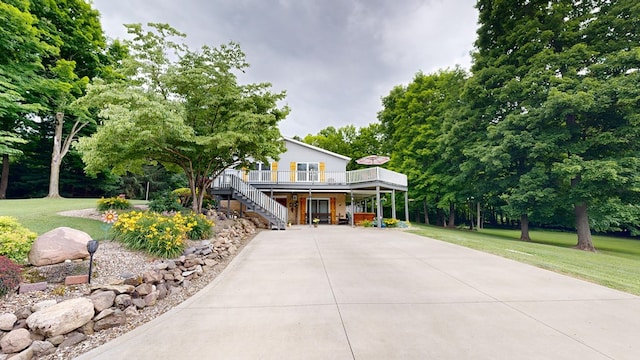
(110, 216)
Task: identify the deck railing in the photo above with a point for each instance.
(259, 198)
(313, 177)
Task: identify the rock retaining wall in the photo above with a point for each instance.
(43, 328)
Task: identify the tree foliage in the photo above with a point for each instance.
(49, 50)
(183, 109)
(547, 122)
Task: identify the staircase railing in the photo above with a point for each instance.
(279, 212)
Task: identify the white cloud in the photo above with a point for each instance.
(335, 58)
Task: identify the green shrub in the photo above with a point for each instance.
(15, 239)
(9, 275)
(165, 202)
(184, 195)
(200, 226)
(391, 222)
(160, 235)
(365, 223)
(113, 203)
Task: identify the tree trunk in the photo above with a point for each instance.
(582, 221)
(478, 217)
(524, 227)
(56, 158)
(582, 227)
(452, 215)
(426, 212)
(4, 180)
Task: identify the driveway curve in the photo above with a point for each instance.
(336, 292)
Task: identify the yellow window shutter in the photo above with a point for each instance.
(274, 171)
(322, 174)
(292, 168)
(245, 174)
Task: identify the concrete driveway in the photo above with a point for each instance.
(336, 292)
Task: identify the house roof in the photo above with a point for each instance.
(317, 148)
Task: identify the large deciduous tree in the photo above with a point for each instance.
(554, 81)
(21, 48)
(412, 122)
(74, 28)
(184, 109)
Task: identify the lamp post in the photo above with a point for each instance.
(92, 247)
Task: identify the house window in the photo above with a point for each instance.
(307, 172)
(261, 172)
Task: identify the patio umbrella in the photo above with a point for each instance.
(373, 160)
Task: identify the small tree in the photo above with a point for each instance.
(188, 114)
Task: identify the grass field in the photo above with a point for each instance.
(40, 215)
(615, 264)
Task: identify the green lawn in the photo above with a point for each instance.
(615, 264)
(40, 215)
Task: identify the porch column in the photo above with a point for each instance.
(229, 207)
(353, 210)
(406, 206)
(309, 212)
(379, 210)
(393, 203)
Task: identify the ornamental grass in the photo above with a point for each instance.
(161, 235)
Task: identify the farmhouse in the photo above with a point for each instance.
(310, 183)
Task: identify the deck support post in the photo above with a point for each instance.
(379, 208)
(406, 206)
(393, 203)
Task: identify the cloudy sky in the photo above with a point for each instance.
(335, 58)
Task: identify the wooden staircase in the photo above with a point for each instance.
(255, 200)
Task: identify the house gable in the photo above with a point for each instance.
(299, 152)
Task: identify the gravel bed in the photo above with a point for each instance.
(110, 261)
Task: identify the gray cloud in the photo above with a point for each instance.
(335, 58)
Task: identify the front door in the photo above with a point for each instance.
(319, 208)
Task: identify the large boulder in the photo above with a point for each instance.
(58, 245)
(15, 341)
(61, 318)
(7, 321)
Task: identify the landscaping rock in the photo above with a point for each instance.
(39, 286)
(102, 300)
(58, 245)
(62, 317)
(36, 337)
(144, 289)
(152, 277)
(139, 303)
(15, 341)
(87, 328)
(7, 321)
(114, 320)
(103, 314)
(43, 305)
(118, 289)
(123, 301)
(42, 348)
(56, 340)
(131, 311)
(58, 273)
(23, 313)
(26, 354)
(20, 324)
(72, 339)
(162, 291)
(151, 299)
